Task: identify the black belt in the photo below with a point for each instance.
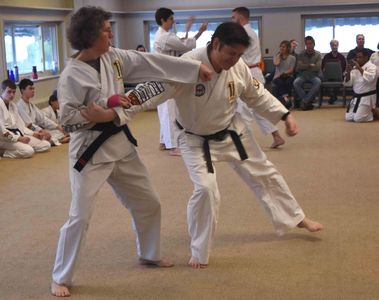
(108, 129)
(359, 96)
(218, 136)
(15, 131)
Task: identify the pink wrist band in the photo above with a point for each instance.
(113, 101)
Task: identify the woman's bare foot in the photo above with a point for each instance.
(162, 147)
(163, 263)
(310, 225)
(59, 290)
(195, 263)
(175, 152)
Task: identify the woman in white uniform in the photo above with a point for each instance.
(211, 131)
(102, 148)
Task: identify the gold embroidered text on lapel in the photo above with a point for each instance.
(118, 68)
(232, 91)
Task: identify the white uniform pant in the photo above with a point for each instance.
(21, 150)
(129, 180)
(363, 114)
(249, 115)
(259, 174)
(168, 130)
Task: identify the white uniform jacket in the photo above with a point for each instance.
(169, 43)
(252, 55)
(49, 113)
(80, 85)
(11, 119)
(364, 83)
(208, 107)
(31, 114)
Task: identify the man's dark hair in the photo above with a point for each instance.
(243, 11)
(86, 25)
(230, 33)
(24, 83)
(52, 98)
(8, 84)
(309, 38)
(162, 13)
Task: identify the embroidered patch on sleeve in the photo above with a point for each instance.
(256, 83)
(232, 91)
(147, 91)
(199, 90)
(118, 69)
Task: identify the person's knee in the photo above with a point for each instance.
(26, 152)
(361, 119)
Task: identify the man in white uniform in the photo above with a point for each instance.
(211, 130)
(362, 75)
(102, 147)
(34, 118)
(252, 57)
(166, 42)
(16, 140)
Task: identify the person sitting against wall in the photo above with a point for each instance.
(309, 68)
(141, 48)
(334, 56)
(360, 39)
(361, 74)
(283, 76)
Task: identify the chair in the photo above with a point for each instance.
(332, 78)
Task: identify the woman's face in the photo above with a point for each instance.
(104, 40)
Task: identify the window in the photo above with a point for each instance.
(28, 45)
(344, 29)
(202, 41)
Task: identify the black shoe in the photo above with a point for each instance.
(306, 106)
(332, 100)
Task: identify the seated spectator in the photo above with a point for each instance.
(283, 76)
(361, 74)
(360, 39)
(34, 118)
(308, 68)
(375, 60)
(52, 113)
(16, 140)
(141, 48)
(294, 45)
(334, 56)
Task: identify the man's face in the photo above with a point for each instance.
(226, 56)
(104, 40)
(28, 92)
(360, 41)
(334, 46)
(8, 94)
(309, 46)
(168, 23)
(236, 17)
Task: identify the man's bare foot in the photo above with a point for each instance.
(59, 290)
(310, 225)
(175, 152)
(162, 147)
(195, 263)
(163, 263)
(278, 141)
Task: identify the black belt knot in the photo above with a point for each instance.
(107, 130)
(218, 136)
(15, 131)
(359, 96)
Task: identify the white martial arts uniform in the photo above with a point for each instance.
(116, 161)
(252, 58)
(362, 84)
(170, 44)
(10, 118)
(31, 114)
(206, 108)
(51, 114)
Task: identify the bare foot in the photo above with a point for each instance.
(310, 225)
(278, 141)
(162, 147)
(195, 263)
(175, 152)
(163, 263)
(59, 290)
